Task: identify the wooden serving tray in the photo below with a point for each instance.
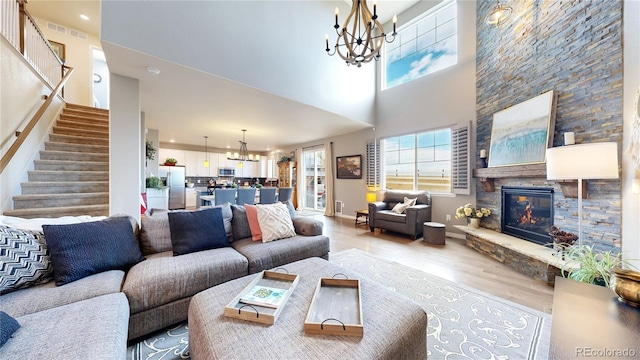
(260, 314)
(336, 308)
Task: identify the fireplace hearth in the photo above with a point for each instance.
(527, 213)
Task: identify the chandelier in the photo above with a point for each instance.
(499, 14)
(357, 42)
(243, 155)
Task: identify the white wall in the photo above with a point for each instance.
(251, 47)
(125, 146)
(443, 98)
(630, 201)
(21, 93)
(78, 56)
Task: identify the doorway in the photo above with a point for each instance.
(314, 165)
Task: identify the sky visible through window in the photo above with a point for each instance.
(423, 47)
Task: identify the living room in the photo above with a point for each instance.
(591, 66)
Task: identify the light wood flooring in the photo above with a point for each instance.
(453, 261)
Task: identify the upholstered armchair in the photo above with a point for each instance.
(408, 222)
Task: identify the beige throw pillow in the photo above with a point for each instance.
(275, 222)
(399, 208)
(410, 202)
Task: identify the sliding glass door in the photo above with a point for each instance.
(314, 165)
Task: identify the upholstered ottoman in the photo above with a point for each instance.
(434, 233)
(394, 326)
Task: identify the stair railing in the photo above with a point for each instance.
(21, 31)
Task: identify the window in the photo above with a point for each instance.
(425, 45)
(435, 160)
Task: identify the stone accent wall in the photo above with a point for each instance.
(575, 48)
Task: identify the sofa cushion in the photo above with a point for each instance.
(90, 329)
(8, 326)
(388, 215)
(164, 278)
(24, 259)
(47, 296)
(240, 223)
(155, 233)
(275, 222)
(193, 231)
(254, 225)
(307, 226)
(263, 256)
(80, 250)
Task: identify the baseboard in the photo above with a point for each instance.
(455, 235)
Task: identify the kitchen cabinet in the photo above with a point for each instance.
(249, 169)
(191, 198)
(179, 155)
(224, 162)
(194, 161)
(158, 198)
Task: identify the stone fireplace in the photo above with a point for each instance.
(527, 213)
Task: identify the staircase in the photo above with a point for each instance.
(72, 176)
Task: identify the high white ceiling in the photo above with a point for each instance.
(186, 104)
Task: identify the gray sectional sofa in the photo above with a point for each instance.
(105, 310)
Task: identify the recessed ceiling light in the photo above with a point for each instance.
(172, 140)
(84, 17)
(228, 147)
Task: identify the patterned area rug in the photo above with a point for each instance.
(463, 323)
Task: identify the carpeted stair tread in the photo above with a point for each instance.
(71, 165)
(72, 139)
(79, 132)
(59, 200)
(53, 212)
(73, 156)
(53, 175)
(66, 187)
(82, 125)
(69, 147)
(88, 118)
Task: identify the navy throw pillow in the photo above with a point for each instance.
(8, 326)
(80, 250)
(193, 231)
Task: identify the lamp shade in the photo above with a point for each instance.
(371, 197)
(583, 161)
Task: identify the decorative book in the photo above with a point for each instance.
(264, 296)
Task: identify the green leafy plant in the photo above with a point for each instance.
(171, 161)
(151, 150)
(153, 182)
(595, 266)
(284, 159)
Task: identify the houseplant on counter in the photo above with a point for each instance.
(472, 214)
(153, 182)
(170, 162)
(595, 267)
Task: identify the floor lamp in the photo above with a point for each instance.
(582, 162)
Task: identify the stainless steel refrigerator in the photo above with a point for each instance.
(175, 176)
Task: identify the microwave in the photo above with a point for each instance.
(225, 171)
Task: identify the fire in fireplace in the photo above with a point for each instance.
(527, 213)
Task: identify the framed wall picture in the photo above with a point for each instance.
(349, 167)
(59, 49)
(521, 134)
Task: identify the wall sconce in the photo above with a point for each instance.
(499, 14)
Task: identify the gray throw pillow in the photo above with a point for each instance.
(240, 223)
(80, 250)
(155, 235)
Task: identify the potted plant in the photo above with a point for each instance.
(151, 150)
(472, 215)
(284, 159)
(594, 266)
(170, 161)
(153, 182)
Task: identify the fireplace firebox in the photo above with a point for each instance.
(527, 213)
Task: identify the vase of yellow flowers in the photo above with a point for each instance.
(472, 215)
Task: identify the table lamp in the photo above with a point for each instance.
(582, 162)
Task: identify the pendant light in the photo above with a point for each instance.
(206, 155)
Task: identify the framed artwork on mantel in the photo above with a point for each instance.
(521, 134)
